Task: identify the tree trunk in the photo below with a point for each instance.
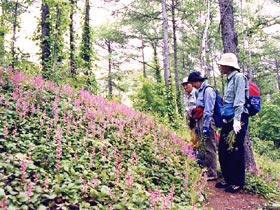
(250, 73)
(203, 49)
(178, 92)
(277, 73)
(229, 35)
(250, 163)
(72, 40)
(14, 34)
(166, 61)
(110, 83)
(55, 46)
(143, 59)
(45, 45)
(155, 58)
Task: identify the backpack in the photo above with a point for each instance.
(217, 108)
(253, 103)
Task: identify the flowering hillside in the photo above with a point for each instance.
(62, 149)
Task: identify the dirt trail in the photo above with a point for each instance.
(220, 200)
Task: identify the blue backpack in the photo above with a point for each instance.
(253, 98)
(253, 103)
(217, 108)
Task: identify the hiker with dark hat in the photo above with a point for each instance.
(235, 122)
(189, 104)
(205, 123)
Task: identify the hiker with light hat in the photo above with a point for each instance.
(190, 103)
(235, 122)
(203, 113)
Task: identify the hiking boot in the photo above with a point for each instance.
(233, 188)
(222, 185)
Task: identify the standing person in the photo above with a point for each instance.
(235, 122)
(205, 123)
(190, 103)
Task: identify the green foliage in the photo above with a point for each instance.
(151, 98)
(266, 180)
(74, 150)
(266, 125)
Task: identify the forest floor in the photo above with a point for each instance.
(220, 200)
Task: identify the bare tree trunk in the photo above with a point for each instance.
(229, 34)
(165, 45)
(143, 59)
(55, 47)
(110, 83)
(277, 73)
(178, 92)
(250, 163)
(45, 45)
(203, 49)
(155, 58)
(72, 40)
(250, 73)
(14, 34)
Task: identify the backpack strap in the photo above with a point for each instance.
(246, 84)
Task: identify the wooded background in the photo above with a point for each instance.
(150, 45)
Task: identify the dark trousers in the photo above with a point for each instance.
(208, 148)
(232, 162)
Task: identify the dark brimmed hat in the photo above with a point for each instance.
(196, 77)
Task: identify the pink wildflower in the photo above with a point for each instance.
(29, 189)
(4, 204)
(22, 169)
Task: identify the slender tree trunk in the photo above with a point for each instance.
(250, 62)
(166, 62)
(14, 34)
(55, 46)
(277, 73)
(45, 46)
(156, 63)
(143, 59)
(203, 61)
(167, 77)
(176, 71)
(72, 40)
(110, 83)
(229, 35)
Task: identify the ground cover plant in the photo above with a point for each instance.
(62, 149)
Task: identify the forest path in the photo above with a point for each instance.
(219, 200)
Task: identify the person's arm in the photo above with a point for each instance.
(209, 103)
(239, 99)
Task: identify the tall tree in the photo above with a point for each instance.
(87, 49)
(229, 35)
(111, 38)
(45, 43)
(171, 110)
(176, 71)
(71, 38)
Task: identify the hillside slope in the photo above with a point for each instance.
(74, 150)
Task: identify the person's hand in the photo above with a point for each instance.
(205, 131)
(196, 131)
(236, 126)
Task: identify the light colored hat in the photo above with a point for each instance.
(229, 59)
(185, 80)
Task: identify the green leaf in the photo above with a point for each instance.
(2, 193)
(22, 197)
(41, 207)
